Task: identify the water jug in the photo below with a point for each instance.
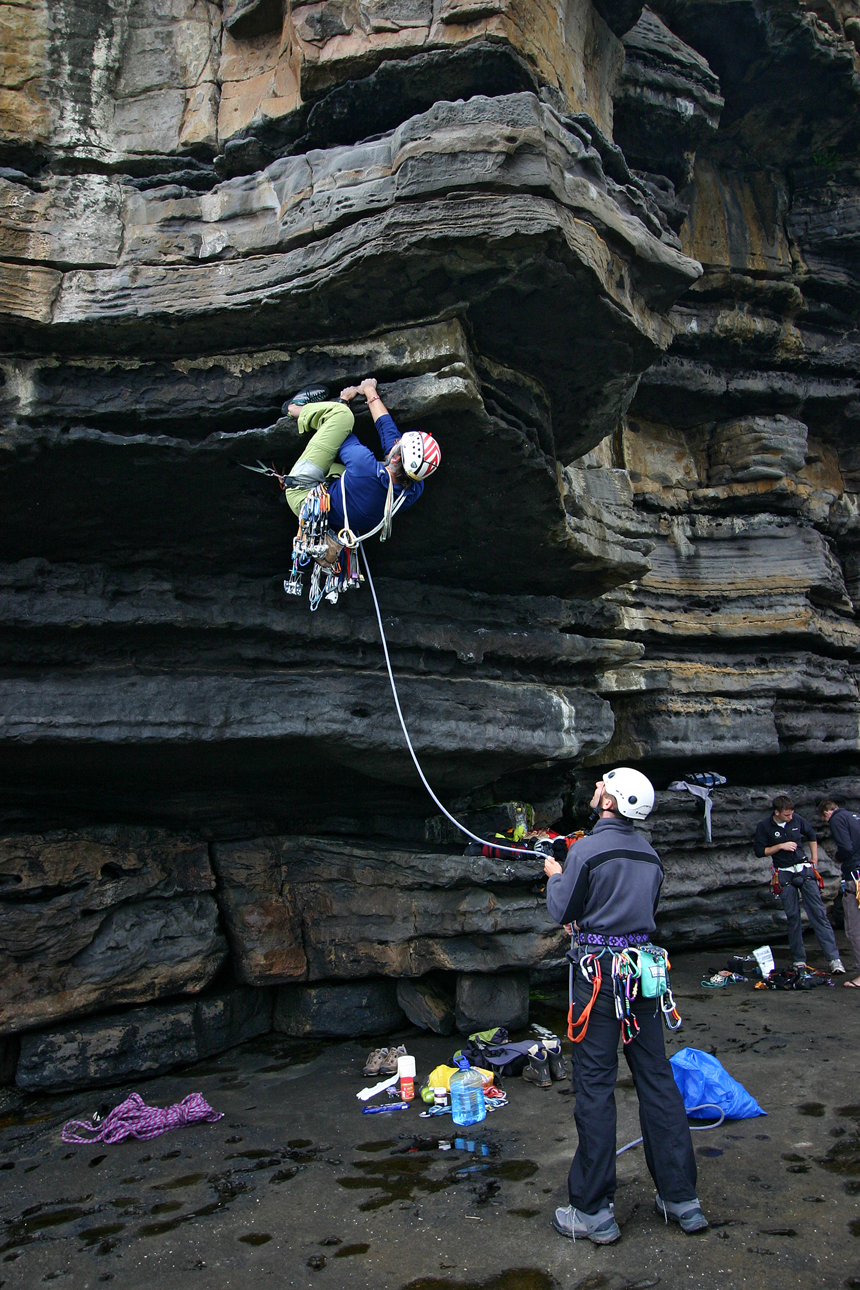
(467, 1095)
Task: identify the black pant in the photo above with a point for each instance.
(668, 1145)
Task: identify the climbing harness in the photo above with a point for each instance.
(635, 970)
(777, 887)
(383, 528)
(335, 561)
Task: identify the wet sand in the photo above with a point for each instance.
(295, 1187)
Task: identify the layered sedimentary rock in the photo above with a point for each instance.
(606, 254)
(102, 918)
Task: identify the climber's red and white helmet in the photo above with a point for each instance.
(420, 454)
(633, 792)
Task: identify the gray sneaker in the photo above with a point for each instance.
(601, 1228)
(688, 1213)
(389, 1065)
(837, 966)
(375, 1060)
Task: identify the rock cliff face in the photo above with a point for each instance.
(608, 256)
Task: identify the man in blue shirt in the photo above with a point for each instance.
(372, 489)
(781, 837)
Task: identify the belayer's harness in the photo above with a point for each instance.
(635, 969)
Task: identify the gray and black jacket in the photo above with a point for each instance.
(611, 882)
(845, 831)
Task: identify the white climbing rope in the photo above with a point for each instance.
(483, 841)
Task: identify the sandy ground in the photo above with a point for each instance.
(295, 1187)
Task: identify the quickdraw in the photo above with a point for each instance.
(314, 542)
(590, 968)
(626, 973)
(626, 983)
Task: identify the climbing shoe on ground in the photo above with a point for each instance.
(314, 394)
(537, 1071)
(373, 1065)
(686, 1212)
(601, 1228)
(799, 964)
(557, 1068)
(837, 966)
(389, 1065)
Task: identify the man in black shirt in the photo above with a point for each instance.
(845, 831)
(781, 837)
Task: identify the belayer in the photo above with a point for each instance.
(609, 886)
(341, 492)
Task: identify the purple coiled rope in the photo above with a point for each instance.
(133, 1118)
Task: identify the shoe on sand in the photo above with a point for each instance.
(601, 1228)
(375, 1060)
(389, 1065)
(688, 1213)
(837, 966)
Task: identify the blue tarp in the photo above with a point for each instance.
(702, 1079)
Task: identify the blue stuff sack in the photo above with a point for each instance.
(701, 1079)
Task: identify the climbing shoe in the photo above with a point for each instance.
(557, 1068)
(537, 1071)
(389, 1065)
(314, 394)
(837, 966)
(686, 1212)
(373, 1065)
(601, 1228)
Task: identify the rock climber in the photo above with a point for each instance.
(609, 886)
(845, 831)
(372, 487)
(780, 837)
(340, 492)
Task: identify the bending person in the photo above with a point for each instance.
(845, 831)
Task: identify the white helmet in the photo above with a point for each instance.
(420, 454)
(632, 790)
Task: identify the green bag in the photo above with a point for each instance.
(654, 979)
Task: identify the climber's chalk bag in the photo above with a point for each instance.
(653, 979)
